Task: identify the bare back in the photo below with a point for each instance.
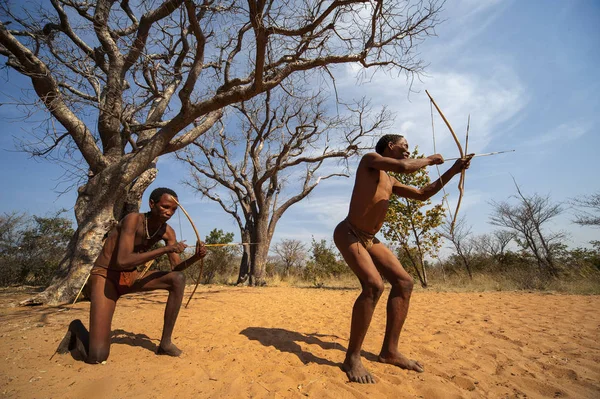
(370, 198)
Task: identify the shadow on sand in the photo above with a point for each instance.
(287, 341)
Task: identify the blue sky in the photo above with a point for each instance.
(526, 72)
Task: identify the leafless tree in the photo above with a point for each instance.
(291, 253)
(528, 218)
(461, 241)
(494, 244)
(272, 153)
(588, 210)
(124, 83)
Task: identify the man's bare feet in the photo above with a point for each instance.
(168, 349)
(398, 359)
(356, 372)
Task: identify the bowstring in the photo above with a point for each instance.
(436, 166)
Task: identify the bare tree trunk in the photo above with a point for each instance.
(260, 251)
(244, 274)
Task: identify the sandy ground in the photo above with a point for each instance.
(290, 342)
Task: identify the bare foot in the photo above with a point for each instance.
(356, 372)
(398, 359)
(168, 349)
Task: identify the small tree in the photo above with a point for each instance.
(292, 253)
(459, 237)
(528, 219)
(219, 260)
(588, 210)
(494, 245)
(411, 226)
(323, 263)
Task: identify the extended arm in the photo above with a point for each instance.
(407, 165)
(431, 189)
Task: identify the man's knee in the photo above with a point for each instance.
(373, 289)
(403, 283)
(177, 281)
(98, 355)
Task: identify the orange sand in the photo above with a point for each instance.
(290, 342)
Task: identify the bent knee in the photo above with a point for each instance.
(98, 356)
(373, 289)
(404, 284)
(178, 280)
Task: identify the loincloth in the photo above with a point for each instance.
(123, 280)
(366, 239)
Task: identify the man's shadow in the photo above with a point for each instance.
(128, 338)
(286, 341)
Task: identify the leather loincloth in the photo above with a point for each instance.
(122, 279)
(366, 239)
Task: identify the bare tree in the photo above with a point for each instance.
(494, 245)
(460, 238)
(588, 210)
(291, 253)
(269, 157)
(128, 83)
(527, 219)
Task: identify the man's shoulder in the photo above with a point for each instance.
(365, 161)
(368, 157)
(132, 215)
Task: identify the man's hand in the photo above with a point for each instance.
(436, 159)
(178, 247)
(200, 250)
(462, 163)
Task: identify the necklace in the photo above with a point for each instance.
(148, 236)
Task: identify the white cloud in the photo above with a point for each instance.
(564, 132)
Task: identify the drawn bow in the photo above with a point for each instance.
(199, 240)
(461, 183)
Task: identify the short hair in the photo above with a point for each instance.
(158, 192)
(385, 140)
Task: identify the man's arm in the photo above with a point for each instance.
(126, 258)
(431, 189)
(176, 264)
(407, 165)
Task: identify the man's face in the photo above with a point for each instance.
(164, 208)
(400, 149)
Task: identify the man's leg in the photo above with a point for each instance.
(76, 340)
(397, 306)
(357, 257)
(104, 300)
(174, 282)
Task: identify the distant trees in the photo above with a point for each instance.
(31, 247)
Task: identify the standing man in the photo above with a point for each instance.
(368, 257)
(127, 246)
